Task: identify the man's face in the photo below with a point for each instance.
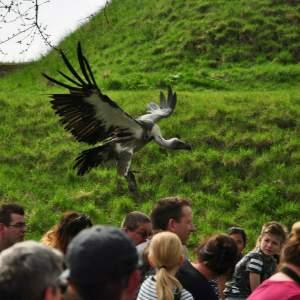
(185, 226)
(141, 233)
(15, 231)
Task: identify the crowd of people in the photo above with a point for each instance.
(146, 258)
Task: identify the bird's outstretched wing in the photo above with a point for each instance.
(163, 110)
(87, 113)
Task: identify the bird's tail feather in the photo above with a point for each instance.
(91, 158)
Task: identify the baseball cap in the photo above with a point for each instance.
(100, 254)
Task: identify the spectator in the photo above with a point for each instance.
(240, 238)
(172, 214)
(137, 226)
(216, 257)
(61, 234)
(102, 264)
(12, 225)
(166, 256)
(258, 264)
(30, 271)
(284, 285)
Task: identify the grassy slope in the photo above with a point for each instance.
(245, 132)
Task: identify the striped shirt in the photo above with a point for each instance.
(148, 291)
(254, 262)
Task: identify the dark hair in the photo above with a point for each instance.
(7, 209)
(291, 251)
(61, 234)
(238, 230)
(219, 253)
(134, 219)
(166, 209)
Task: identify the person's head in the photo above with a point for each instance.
(12, 225)
(69, 226)
(30, 270)
(295, 230)
(102, 264)
(166, 256)
(291, 250)
(218, 254)
(272, 237)
(239, 236)
(173, 214)
(137, 226)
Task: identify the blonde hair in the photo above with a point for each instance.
(165, 252)
(295, 231)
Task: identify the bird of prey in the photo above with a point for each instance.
(93, 118)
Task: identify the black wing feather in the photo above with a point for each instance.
(82, 64)
(87, 113)
(72, 70)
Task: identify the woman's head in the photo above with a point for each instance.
(69, 226)
(272, 237)
(239, 236)
(291, 250)
(165, 251)
(219, 254)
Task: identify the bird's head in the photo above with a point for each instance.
(180, 145)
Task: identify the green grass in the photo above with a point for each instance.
(235, 67)
(243, 168)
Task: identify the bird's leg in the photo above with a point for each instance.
(132, 185)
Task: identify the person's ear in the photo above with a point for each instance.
(71, 292)
(52, 293)
(181, 260)
(2, 227)
(172, 225)
(151, 261)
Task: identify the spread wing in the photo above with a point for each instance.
(87, 113)
(163, 110)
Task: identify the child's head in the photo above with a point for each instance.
(166, 255)
(137, 226)
(165, 251)
(272, 237)
(239, 236)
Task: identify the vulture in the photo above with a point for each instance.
(93, 118)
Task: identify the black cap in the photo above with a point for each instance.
(100, 254)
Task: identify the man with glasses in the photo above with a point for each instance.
(137, 226)
(12, 225)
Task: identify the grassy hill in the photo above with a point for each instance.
(235, 67)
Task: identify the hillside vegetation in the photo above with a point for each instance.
(235, 67)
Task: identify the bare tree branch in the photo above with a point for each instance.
(24, 15)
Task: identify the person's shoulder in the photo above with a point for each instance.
(186, 295)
